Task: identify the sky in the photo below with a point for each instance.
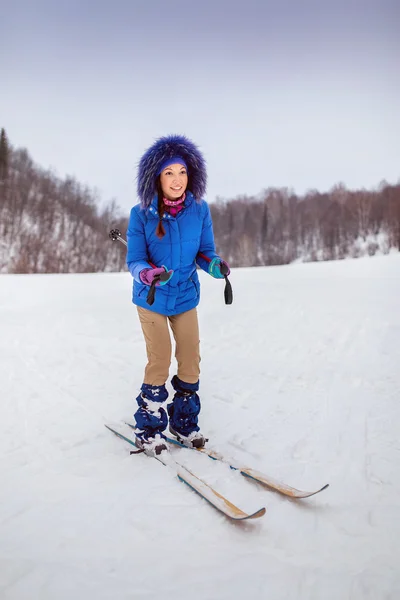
(283, 93)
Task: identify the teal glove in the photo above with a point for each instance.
(214, 268)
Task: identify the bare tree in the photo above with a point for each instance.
(4, 156)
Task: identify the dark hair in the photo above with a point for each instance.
(160, 231)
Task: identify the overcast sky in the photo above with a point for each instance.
(275, 93)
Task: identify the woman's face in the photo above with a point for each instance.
(174, 180)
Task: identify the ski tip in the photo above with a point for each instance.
(247, 517)
(309, 494)
(257, 514)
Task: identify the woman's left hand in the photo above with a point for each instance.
(218, 268)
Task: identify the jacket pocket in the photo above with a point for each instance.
(196, 287)
(141, 290)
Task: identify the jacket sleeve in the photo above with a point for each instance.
(207, 245)
(136, 257)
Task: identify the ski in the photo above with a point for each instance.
(198, 485)
(269, 482)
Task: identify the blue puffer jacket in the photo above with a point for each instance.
(188, 235)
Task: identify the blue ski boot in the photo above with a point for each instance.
(151, 420)
(183, 414)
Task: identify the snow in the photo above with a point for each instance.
(300, 380)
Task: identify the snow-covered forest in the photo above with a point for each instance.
(54, 225)
(51, 225)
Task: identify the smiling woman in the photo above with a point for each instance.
(171, 226)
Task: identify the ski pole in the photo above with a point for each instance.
(115, 235)
(228, 292)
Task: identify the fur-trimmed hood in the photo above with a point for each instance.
(163, 149)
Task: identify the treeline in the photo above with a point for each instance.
(50, 225)
(281, 227)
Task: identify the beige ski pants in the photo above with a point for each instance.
(185, 329)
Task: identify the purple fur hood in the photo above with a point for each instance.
(163, 149)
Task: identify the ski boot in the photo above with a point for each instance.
(183, 414)
(195, 439)
(151, 420)
(153, 446)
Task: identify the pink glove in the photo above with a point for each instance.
(147, 275)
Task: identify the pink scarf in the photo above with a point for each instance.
(174, 206)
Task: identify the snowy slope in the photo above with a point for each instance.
(300, 379)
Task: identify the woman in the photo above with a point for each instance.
(169, 232)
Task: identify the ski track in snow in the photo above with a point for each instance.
(300, 379)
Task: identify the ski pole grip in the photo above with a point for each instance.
(152, 292)
(228, 292)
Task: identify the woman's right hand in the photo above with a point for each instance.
(147, 276)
